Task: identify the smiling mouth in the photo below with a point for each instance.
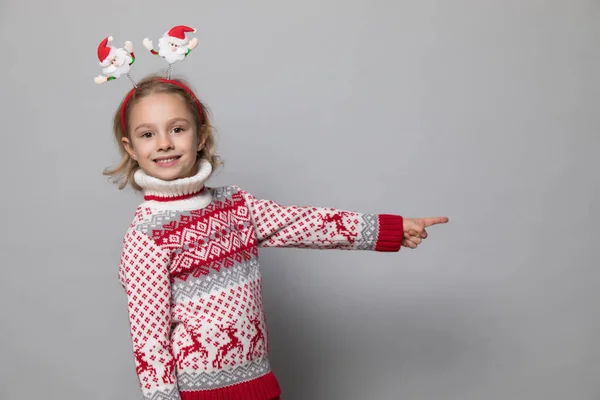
(167, 160)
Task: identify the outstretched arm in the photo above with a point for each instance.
(323, 228)
(192, 45)
(148, 45)
(129, 48)
(100, 79)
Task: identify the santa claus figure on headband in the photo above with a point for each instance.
(115, 61)
(173, 46)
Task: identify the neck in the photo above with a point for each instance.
(182, 193)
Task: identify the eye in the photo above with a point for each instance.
(147, 135)
(178, 129)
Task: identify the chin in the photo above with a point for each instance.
(162, 174)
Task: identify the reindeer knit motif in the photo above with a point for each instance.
(190, 269)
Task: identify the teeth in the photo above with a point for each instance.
(166, 160)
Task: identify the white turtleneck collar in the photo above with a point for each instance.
(182, 194)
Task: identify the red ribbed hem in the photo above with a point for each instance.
(264, 388)
(391, 233)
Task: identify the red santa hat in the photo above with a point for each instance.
(177, 34)
(105, 52)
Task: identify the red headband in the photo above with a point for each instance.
(176, 83)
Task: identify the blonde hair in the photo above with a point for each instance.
(123, 173)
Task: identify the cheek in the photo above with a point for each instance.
(187, 143)
(143, 148)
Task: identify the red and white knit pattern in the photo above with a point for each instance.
(190, 269)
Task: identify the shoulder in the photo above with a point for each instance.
(140, 215)
(144, 220)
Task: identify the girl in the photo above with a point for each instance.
(190, 264)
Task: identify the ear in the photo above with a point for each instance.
(128, 147)
(201, 142)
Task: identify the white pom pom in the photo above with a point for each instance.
(110, 38)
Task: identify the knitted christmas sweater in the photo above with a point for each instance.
(190, 269)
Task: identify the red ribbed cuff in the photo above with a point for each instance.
(265, 387)
(391, 233)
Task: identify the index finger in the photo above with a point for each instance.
(435, 221)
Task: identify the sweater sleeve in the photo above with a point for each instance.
(322, 228)
(144, 274)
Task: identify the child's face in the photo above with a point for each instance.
(163, 138)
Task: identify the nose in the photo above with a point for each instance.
(165, 142)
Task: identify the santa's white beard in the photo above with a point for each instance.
(122, 68)
(164, 50)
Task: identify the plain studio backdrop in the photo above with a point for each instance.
(483, 111)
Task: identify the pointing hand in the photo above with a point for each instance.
(414, 229)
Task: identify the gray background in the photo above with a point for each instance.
(484, 111)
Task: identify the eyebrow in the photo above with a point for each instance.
(172, 120)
